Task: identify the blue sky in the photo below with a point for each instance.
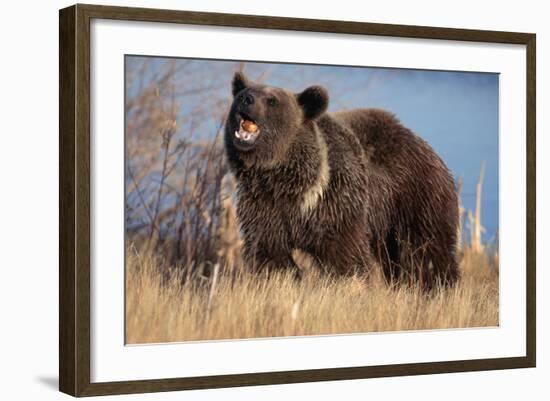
(455, 112)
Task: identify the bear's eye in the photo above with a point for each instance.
(272, 101)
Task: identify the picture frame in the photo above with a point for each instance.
(76, 200)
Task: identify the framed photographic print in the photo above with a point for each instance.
(250, 200)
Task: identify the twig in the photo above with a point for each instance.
(212, 291)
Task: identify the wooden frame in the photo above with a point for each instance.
(74, 200)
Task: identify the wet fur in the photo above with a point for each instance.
(388, 197)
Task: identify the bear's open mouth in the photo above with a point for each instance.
(248, 131)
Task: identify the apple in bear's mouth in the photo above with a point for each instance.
(247, 133)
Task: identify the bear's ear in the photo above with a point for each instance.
(239, 83)
(314, 101)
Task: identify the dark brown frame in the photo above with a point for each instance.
(74, 199)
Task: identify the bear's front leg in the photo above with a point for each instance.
(346, 253)
(269, 259)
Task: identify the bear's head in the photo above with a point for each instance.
(264, 121)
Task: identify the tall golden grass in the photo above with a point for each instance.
(161, 307)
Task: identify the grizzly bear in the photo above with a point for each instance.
(352, 189)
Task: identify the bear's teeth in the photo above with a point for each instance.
(244, 135)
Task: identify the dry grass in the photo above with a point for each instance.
(162, 309)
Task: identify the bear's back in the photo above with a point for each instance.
(403, 171)
(388, 145)
(380, 133)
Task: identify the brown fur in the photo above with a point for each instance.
(387, 197)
